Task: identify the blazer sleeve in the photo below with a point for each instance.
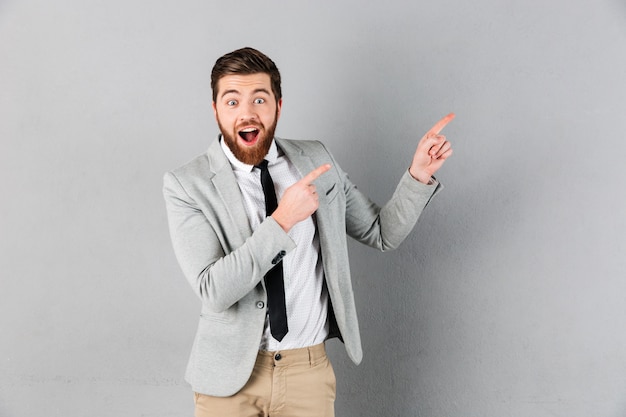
(219, 273)
(386, 227)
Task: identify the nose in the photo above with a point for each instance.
(248, 113)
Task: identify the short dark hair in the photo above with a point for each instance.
(246, 61)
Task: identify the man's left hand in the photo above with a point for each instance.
(432, 151)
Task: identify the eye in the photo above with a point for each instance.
(231, 102)
(259, 101)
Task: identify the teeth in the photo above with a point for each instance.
(248, 130)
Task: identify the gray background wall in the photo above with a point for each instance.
(507, 300)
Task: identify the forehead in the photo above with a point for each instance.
(242, 84)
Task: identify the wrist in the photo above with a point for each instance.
(421, 176)
(282, 222)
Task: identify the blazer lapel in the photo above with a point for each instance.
(305, 164)
(296, 156)
(226, 186)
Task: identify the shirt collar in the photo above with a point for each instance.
(272, 156)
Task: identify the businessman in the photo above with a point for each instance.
(259, 225)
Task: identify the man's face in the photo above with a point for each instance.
(247, 112)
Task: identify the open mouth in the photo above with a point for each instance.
(249, 135)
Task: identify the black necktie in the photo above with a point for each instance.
(274, 277)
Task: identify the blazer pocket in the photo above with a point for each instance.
(331, 193)
(224, 317)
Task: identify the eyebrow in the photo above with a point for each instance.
(258, 90)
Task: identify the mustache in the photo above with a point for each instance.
(243, 125)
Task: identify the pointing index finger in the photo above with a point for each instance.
(438, 127)
(313, 175)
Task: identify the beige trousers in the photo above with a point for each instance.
(288, 383)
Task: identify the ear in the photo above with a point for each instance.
(279, 106)
(214, 110)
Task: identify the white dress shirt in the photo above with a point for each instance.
(306, 295)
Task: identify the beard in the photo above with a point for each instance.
(251, 155)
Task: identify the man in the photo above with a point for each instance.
(259, 226)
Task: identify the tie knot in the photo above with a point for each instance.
(263, 165)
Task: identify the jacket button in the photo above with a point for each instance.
(278, 356)
(260, 305)
(279, 257)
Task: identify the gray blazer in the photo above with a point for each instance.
(225, 261)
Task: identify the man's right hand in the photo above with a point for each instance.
(299, 201)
